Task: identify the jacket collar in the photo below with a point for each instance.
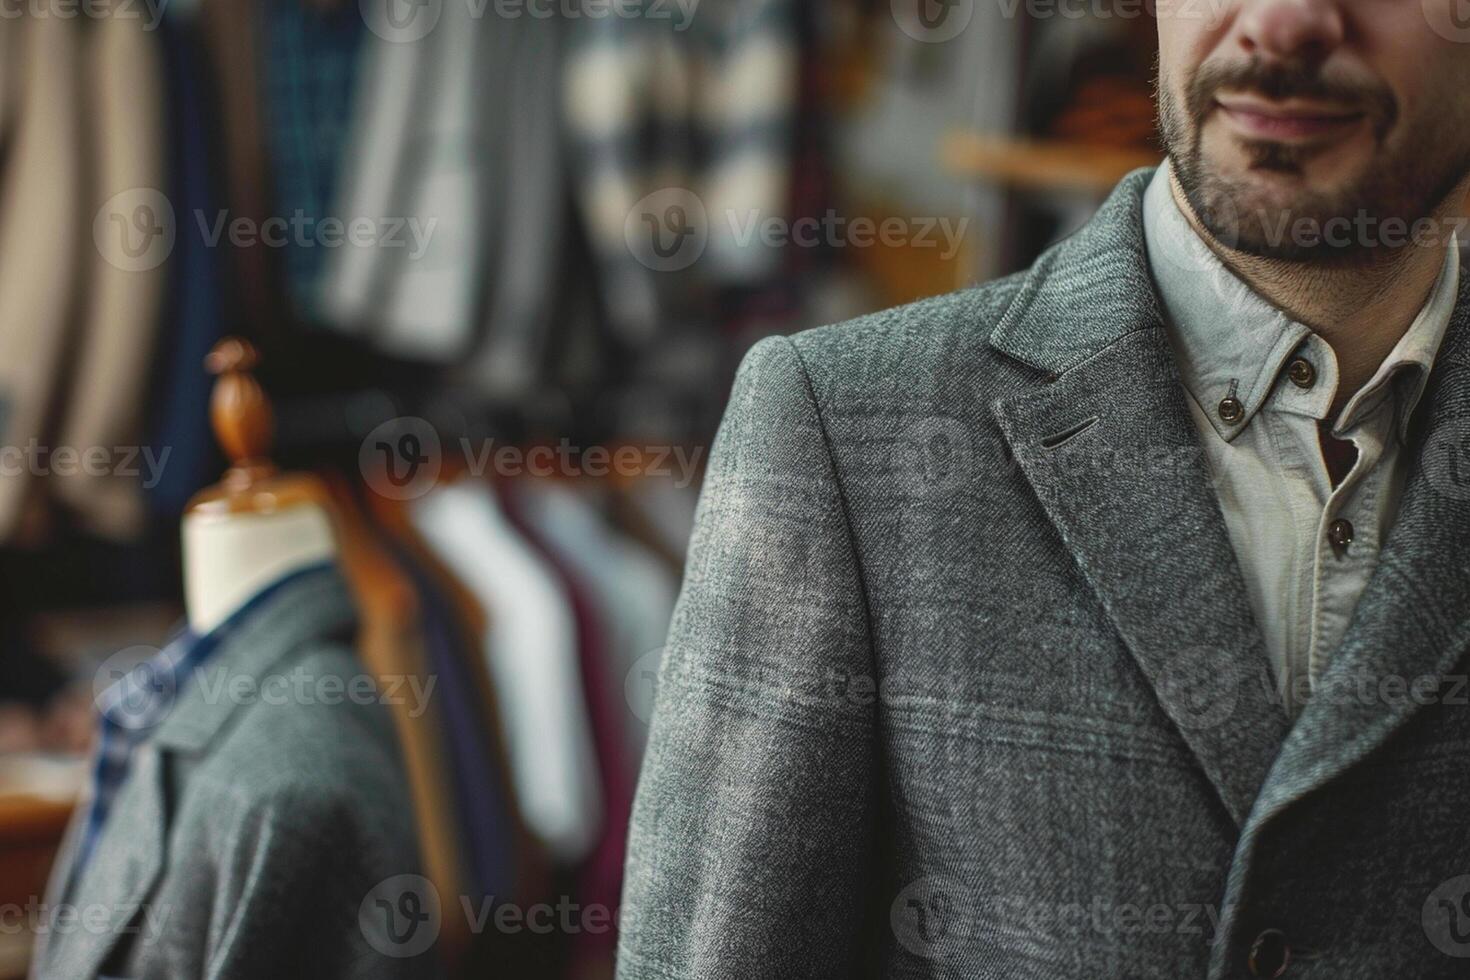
(1087, 292)
(310, 604)
(1107, 444)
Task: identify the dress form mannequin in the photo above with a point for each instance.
(256, 524)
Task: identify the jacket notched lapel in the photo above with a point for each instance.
(108, 899)
(1107, 444)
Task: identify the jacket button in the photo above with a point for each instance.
(1302, 373)
(1231, 411)
(1340, 534)
(1270, 954)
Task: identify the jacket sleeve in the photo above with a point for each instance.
(292, 893)
(753, 828)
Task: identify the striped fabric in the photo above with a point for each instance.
(699, 114)
(308, 80)
(128, 711)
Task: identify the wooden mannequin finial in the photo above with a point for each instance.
(241, 413)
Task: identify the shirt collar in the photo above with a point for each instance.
(1231, 343)
(1412, 358)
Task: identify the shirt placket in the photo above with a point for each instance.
(1342, 569)
(1291, 413)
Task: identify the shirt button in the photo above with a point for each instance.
(1340, 534)
(1302, 373)
(1231, 411)
(1270, 954)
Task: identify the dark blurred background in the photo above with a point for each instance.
(480, 225)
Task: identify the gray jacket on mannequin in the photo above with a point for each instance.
(964, 681)
(253, 834)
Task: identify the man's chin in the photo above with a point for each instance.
(1277, 215)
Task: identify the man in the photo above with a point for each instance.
(1109, 620)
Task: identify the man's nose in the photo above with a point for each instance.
(1290, 30)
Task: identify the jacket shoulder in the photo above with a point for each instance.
(313, 738)
(913, 347)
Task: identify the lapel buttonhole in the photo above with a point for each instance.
(1059, 439)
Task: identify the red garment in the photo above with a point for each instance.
(600, 878)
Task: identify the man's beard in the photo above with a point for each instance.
(1344, 225)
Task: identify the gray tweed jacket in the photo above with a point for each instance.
(251, 830)
(963, 681)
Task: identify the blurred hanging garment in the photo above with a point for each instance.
(484, 808)
(309, 76)
(681, 129)
(231, 32)
(10, 60)
(532, 287)
(135, 229)
(659, 514)
(631, 589)
(372, 179)
(600, 878)
(393, 642)
(508, 851)
(531, 648)
(180, 409)
(456, 147)
(44, 239)
(415, 170)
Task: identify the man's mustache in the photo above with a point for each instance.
(1288, 80)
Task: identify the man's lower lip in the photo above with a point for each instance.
(1262, 126)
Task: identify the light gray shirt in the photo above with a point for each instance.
(1258, 383)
